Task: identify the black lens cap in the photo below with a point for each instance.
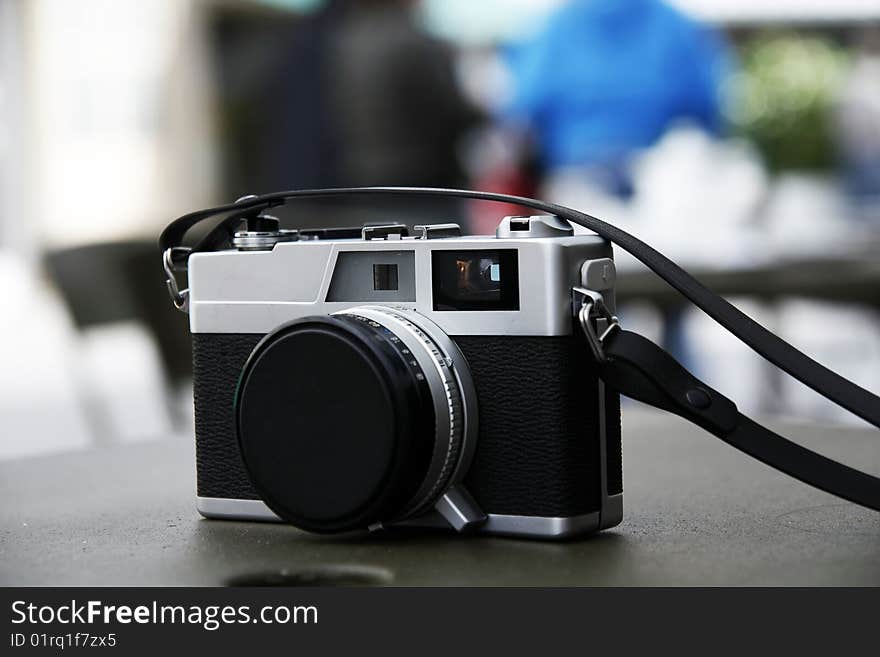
(332, 424)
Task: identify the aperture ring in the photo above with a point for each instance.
(436, 367)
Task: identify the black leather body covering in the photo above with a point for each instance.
(538, 449)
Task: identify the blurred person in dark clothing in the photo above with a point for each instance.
(272, 94)
(393, 96)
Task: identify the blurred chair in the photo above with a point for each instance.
(135, 346)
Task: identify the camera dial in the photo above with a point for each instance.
(351, 420)
(262, 233)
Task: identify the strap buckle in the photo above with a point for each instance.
(180, 298)
(595, 319)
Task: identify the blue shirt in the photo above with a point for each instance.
(605, 77)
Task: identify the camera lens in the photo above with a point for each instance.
(354, 419)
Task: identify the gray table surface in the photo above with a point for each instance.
(697, 512)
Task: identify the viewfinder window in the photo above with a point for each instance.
(475, 280)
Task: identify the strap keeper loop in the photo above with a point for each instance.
(595, 319)
(180, 298)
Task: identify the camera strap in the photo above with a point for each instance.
(629, 363)
(638, 368)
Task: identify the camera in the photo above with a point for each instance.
(354, 379)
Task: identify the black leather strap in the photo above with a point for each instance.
(638, 368)
(845, 393)
(721, 417)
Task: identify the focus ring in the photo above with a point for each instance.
(447, 396)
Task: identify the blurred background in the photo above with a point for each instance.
(740, 138)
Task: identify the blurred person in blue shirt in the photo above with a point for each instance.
(605, 78)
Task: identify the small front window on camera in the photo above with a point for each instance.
(384, 276)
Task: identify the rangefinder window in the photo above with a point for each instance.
(373, 276)
(384, 277)
(475, 280)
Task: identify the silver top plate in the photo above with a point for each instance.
(255, 291)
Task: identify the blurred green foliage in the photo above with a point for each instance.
(782, 98)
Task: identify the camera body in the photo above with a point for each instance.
(366, 379)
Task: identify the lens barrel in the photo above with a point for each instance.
(351, 420)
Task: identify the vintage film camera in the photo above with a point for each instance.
(345, 382)
(349, 379)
